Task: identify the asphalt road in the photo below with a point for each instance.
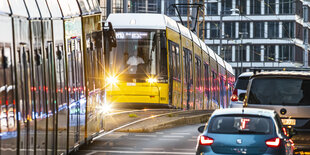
(180, 140)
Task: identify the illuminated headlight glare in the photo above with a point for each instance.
(152, 80)
(105, 108)
(112, 80)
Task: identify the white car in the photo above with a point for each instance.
(236, 100)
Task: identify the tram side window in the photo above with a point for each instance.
(60, 74)
(6, 87)
(214, 85)
(222, 89)
(207, 87)
(175, 54)
(198, 72)
(190, 68)
(163, 55)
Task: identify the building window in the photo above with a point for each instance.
(226, 6)
(241, 5)
(285, 53)
(229, 29)
(214, 30)
(288, 29)
(255, 53)
(299, 8)
(145, 6)
(270, 53)
(117, 6)
(169, 10)
(212, 7)
(183, 10)
(299, 31)
(240, 53)
(255, 7)
(286, 6)
(305, 12)
(259, 29)
(103, 6)
(214, 48)
(273, 29)
(305, 34)
(270, 6)
(226, 53)
(244, 30)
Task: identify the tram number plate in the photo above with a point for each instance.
(131, 84)
(289, 121)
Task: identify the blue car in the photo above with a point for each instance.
(245, 131)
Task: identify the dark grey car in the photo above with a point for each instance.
(288, 93)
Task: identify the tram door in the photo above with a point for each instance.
(187, 64)
(7, 93)
(75, 76)
(51, 96)
(23, 74)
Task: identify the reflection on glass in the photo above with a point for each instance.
(135, 53)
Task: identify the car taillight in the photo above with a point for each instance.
(284, 131)
(274, 142)
(204, 140)
(234, 96)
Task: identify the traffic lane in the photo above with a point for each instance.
(180, 140)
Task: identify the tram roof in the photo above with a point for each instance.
(43, 9)
(228, 67)
(211, 52)
(69, 8)
(32, 8)
(203, 46)
(184, 31)
(195, 38)
(219, 60)
(17, 8)
(142, 21)
(89, 6)
(4, 7)
(54, 8)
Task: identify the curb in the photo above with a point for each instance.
(203, 118)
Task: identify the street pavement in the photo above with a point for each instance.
(179, 140)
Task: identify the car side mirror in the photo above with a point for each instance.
(201, 129)
(241, 96)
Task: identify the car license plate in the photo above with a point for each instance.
(131, 84)
(289, 121)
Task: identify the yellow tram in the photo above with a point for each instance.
(51, 75)
(158, 61)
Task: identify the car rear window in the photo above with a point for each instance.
(239, 124)
(280, 91)
(242, 83)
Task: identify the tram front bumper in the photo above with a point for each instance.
(138, 94)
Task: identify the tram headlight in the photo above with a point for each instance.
(151, 80)
(105, 108)
(112, 80)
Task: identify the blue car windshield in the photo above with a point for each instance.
(239, 124)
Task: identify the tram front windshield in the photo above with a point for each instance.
(135, 54)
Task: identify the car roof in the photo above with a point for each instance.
(283, 73)
(245, 111)
(246, 74)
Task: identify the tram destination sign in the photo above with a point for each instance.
(132, 35)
